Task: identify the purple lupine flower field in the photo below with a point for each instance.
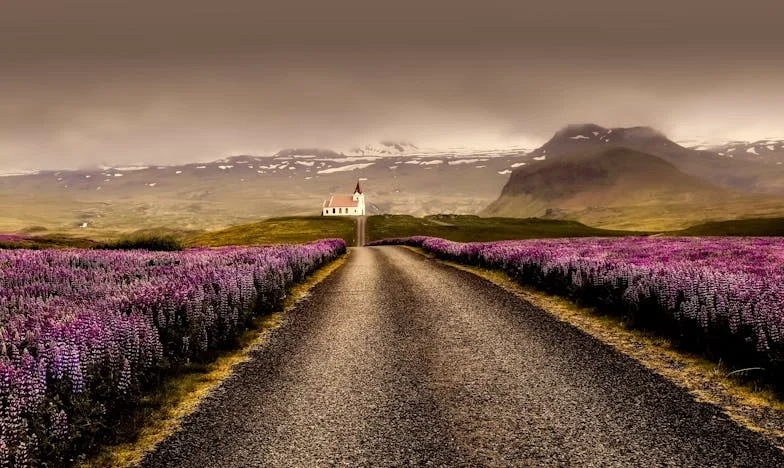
(83, 331)
(11, 238)
(723, 296)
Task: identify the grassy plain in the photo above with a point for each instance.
(739, 227)
(461, 228)
(467, 228)
(278, 231)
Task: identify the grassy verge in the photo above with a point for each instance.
(279, 231)
(467, 228)
(751, 403)
(159, 413)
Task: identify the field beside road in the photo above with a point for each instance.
(468, 228)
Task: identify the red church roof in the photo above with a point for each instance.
(340, 201)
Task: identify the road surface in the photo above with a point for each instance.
(396, 359)
(361, 221)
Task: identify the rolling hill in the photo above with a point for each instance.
(397, 177)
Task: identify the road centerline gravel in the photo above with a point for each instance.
(396, 359)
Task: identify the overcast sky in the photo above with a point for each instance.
(85, 82)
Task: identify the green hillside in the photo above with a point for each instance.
(738, 227)
(469, 228)
(279, 231)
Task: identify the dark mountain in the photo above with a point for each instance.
(595, 172)
(746, 175)
(621, 187)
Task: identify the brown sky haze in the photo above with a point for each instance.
(86, 82)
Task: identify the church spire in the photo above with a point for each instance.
(358, 189)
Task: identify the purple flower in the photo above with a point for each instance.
(91, 325)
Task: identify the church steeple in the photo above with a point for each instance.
(358, 189)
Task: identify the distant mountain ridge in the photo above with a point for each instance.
(598, 179)
(307, 152)
(595, 170)
(745, 175)
(245, 188)
(621, 188)
(633, 177)
(768, 151)
(385, 148)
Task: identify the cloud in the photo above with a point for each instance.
(87, 82)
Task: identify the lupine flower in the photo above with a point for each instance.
(91, 326)
(733, 284)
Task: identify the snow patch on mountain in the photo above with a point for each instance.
(351, 159)
(350, 167)
(130, 168)
(385, 148)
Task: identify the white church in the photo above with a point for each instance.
(345, 205)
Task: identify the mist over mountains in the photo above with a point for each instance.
(611, 177)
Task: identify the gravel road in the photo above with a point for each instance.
(361, 222)
(396, 359)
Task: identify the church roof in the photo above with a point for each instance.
(340, 201)
(358, 189)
